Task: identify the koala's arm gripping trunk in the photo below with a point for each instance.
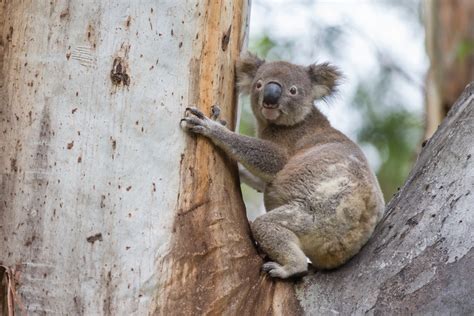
(261, 157)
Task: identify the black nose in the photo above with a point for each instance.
(271, 93)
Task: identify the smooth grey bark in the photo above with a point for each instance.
(420, 259)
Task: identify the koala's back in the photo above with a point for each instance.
(333, 184)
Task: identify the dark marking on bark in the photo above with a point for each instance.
(74, 110)
(30, 241)
(114, 146)
(226, 39)
(107, 307)
(91, 36)
(13, 165)
(118, 74)
(70, 145)
(414, 220)
(151, 25)
(78, 306)
(64, 14)
(114, 143)
(92, 239)
(10, 34)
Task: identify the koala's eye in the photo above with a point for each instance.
(259, 85)
(293, 90)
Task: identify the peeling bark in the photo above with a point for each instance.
(421, 258)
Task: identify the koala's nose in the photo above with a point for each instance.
(271, 94)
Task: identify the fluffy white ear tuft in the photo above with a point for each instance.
(247, 67)
(325, 78)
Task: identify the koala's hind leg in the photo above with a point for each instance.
(275, 232)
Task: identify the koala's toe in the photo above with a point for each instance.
(267, 266)
(190, 122)
(275, 270)
(193, 124)
(195, 111)
(215, 112)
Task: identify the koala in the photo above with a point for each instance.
(322, 199)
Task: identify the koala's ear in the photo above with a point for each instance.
(247, 67)
(324, 78)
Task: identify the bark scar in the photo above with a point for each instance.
(194, 207)
(118, 74)
(226, 39)
(92, 239)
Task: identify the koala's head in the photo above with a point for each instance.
(282, 93)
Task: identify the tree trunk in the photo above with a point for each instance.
(421, 258)
(450, 46)
(106, 206)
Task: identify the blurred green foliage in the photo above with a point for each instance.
(392, 130)
(465, 49)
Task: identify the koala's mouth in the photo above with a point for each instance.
(271, 112)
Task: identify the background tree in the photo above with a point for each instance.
(450, 46)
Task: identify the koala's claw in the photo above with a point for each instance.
(196, 112)
(192, 121)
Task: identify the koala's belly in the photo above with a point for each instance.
(338, 191)
(320, 177)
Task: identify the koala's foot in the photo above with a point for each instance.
(195, 121)
(274, 233)
(278, 271)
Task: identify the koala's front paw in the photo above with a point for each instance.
(195, 121)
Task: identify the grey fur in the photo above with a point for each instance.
(323, 201)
